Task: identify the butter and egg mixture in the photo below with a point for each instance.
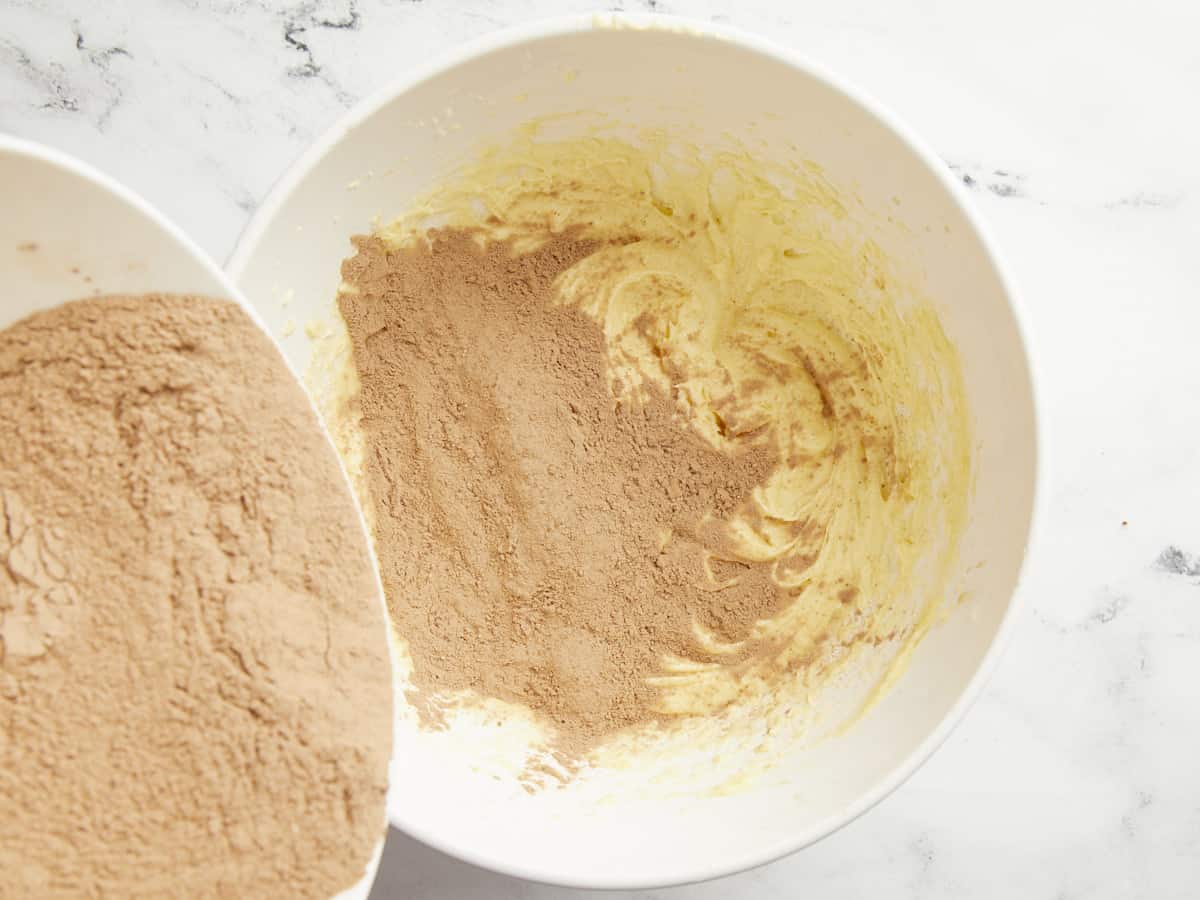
(732, 301)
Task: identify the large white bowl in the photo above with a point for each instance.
(672, 74)
(69, 231)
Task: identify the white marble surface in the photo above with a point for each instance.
(1078, 772)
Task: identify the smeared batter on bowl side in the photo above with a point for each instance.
(648, 434)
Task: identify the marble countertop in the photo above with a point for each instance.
(1078, 772)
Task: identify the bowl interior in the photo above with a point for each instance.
(705, 87)
(71, 232)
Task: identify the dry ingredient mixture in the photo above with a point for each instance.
(647, 434)
(539, 541)
(194, 679)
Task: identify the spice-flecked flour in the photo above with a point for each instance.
(538, 541)
(195, 690)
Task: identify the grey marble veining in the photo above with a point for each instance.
(1072, 124)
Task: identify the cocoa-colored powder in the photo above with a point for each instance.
(520, 511)
(194, 680)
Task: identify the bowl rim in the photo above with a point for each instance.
(10, 144)
(562, 26)
(84, 171)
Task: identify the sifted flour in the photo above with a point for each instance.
(195, 691)
(538, 541)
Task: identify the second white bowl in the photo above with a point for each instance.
(69, 231)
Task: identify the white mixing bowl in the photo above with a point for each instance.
(664, 73)
(68, 231)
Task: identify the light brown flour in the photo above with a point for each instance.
(194, 680)
(520, 512)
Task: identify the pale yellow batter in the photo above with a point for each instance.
(748, 289)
